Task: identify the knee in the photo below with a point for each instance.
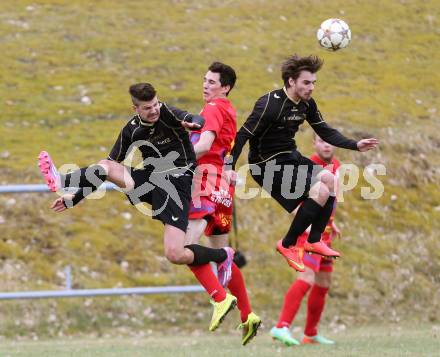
(174, 255)
(308, 276)
(105, 164)
(320, 191)
(328, 179)
(308, 279)
(324, 281)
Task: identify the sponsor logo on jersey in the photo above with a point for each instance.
(296, 117)
(222, 197)
(163, 142)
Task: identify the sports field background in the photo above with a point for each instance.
(381, 341)
(65, 70)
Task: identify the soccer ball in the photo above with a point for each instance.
(334, 34)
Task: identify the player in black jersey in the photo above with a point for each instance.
(280, 169)
(164, 181)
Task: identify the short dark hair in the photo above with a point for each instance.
(292, 67)
(227, 74)
(141, 92)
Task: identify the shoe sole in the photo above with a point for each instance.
(322, 255)
(231, 307)
(256, 327)
(288, 344)
(44, 162)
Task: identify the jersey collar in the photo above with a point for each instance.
(144, 123)
(291, 99)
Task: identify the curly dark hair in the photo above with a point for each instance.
(292, 67)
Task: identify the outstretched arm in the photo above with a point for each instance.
(193, 122)
(187, 120)
(367, 144)
(333, 136)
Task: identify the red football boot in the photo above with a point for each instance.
(322, 249)
(294, 255)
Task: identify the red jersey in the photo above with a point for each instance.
(221, 119)
(211, 195)
(333, 166)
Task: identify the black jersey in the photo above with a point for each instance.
(164, 138)
(273, 123)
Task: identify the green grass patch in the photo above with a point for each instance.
(390, 340)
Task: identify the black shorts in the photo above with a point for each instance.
(169, 194)
(287, 178)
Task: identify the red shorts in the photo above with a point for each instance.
(314, 261)
(213, 202)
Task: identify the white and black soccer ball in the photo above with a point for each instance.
(334, 34)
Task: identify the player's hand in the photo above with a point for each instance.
(59, 204)
(191, 126)
(336, 232)
(367, 144)
(231, 177)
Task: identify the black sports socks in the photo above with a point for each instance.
(204, 255)
(303, 218)
(321, 220)
(87, 179)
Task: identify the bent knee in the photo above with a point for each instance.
(174, 255)
(106, 164)
(320, 191)
(328, 179)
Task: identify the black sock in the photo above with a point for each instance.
(303, 218)
(204, 255)
(88, 179)
(78, 196)
(91, 176)
(321, 220)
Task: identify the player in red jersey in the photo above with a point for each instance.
(317, 274)
(211, 207)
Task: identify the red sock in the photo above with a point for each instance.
(292, 301)
(238, 289)
(315, 306)
(209, 281)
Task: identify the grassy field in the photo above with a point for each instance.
(66, 67)
(371, 341)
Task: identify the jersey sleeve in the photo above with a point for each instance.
(326, 132)
(255, 124)
(121, 146)
(174, 116)
(213, 119)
